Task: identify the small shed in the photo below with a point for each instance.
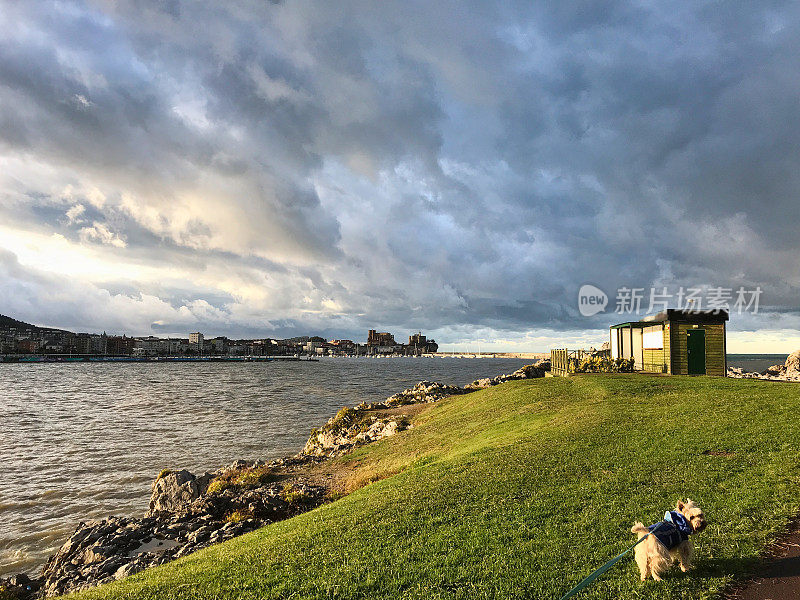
(678, 342)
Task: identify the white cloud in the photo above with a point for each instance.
(99, 232)
(74, 213)
(82, 102)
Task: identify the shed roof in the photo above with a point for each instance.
(637, 324)
(678, 315)
(688, 316)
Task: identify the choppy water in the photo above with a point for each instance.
(755, 362)
(84, 441)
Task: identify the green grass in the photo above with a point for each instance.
(520, 490)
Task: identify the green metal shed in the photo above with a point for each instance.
(674, 341)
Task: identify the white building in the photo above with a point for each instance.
(196, 342)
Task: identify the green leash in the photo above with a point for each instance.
(605, 567)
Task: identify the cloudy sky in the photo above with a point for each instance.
(288, 168)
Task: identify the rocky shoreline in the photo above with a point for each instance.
(188, 512)
(788, 371)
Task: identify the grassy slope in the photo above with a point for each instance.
(520, 490)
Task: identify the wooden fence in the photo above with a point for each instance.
(562, 358)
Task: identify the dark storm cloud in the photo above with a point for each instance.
(426, 165)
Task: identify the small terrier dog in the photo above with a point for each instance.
(669, 540)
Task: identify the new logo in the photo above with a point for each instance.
(591, 300)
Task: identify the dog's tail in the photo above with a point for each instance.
(639, 528)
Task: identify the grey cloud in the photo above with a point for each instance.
(440, 165)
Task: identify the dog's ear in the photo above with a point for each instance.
(679, 505)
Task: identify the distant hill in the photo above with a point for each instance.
(7, 323)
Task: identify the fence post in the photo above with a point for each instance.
(559, 361)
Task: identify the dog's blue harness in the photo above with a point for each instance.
(673, 530)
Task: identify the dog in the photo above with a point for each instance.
(669, 540)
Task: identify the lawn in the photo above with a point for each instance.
(521, 490)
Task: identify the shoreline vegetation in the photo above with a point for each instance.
(188, 512)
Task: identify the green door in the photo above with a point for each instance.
(696, 349)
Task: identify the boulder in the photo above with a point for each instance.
(19, 587)
(792, 364)
(775, 370)
(173, 491)
(424, 391)
(350, 428)
(97, 554)
(529, 372)
(126, 570)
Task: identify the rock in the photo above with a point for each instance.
(775, 370)
(173, 491)
(97, 554)
(792, 364)
(529, 372)
(200, 535)
(784, 372)
(19, 587)
(543, 364)
(378, 430)
(739, 373)
(424, 391)
(237, 465)
(111, 565)
(20, 580)
(126, 570)
(349, 428)
(526, 372)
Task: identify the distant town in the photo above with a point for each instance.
(18, 339)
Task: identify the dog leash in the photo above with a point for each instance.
(607, 566)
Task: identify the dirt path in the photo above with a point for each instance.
(779, 576)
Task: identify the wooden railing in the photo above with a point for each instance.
(559, 361)
(563, 361)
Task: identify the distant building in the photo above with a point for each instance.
(375, 338)
(419, 344)
(384, 343)
(177, 347)
(7, 345)
(27, 346)
(120, 345)
(313, 347)
(151, 346)
(343, 347)
(98, 344)
(216, 346)
(286, 347)
(52, 346)
(381, 342)
(82, 343)
(196, 342)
